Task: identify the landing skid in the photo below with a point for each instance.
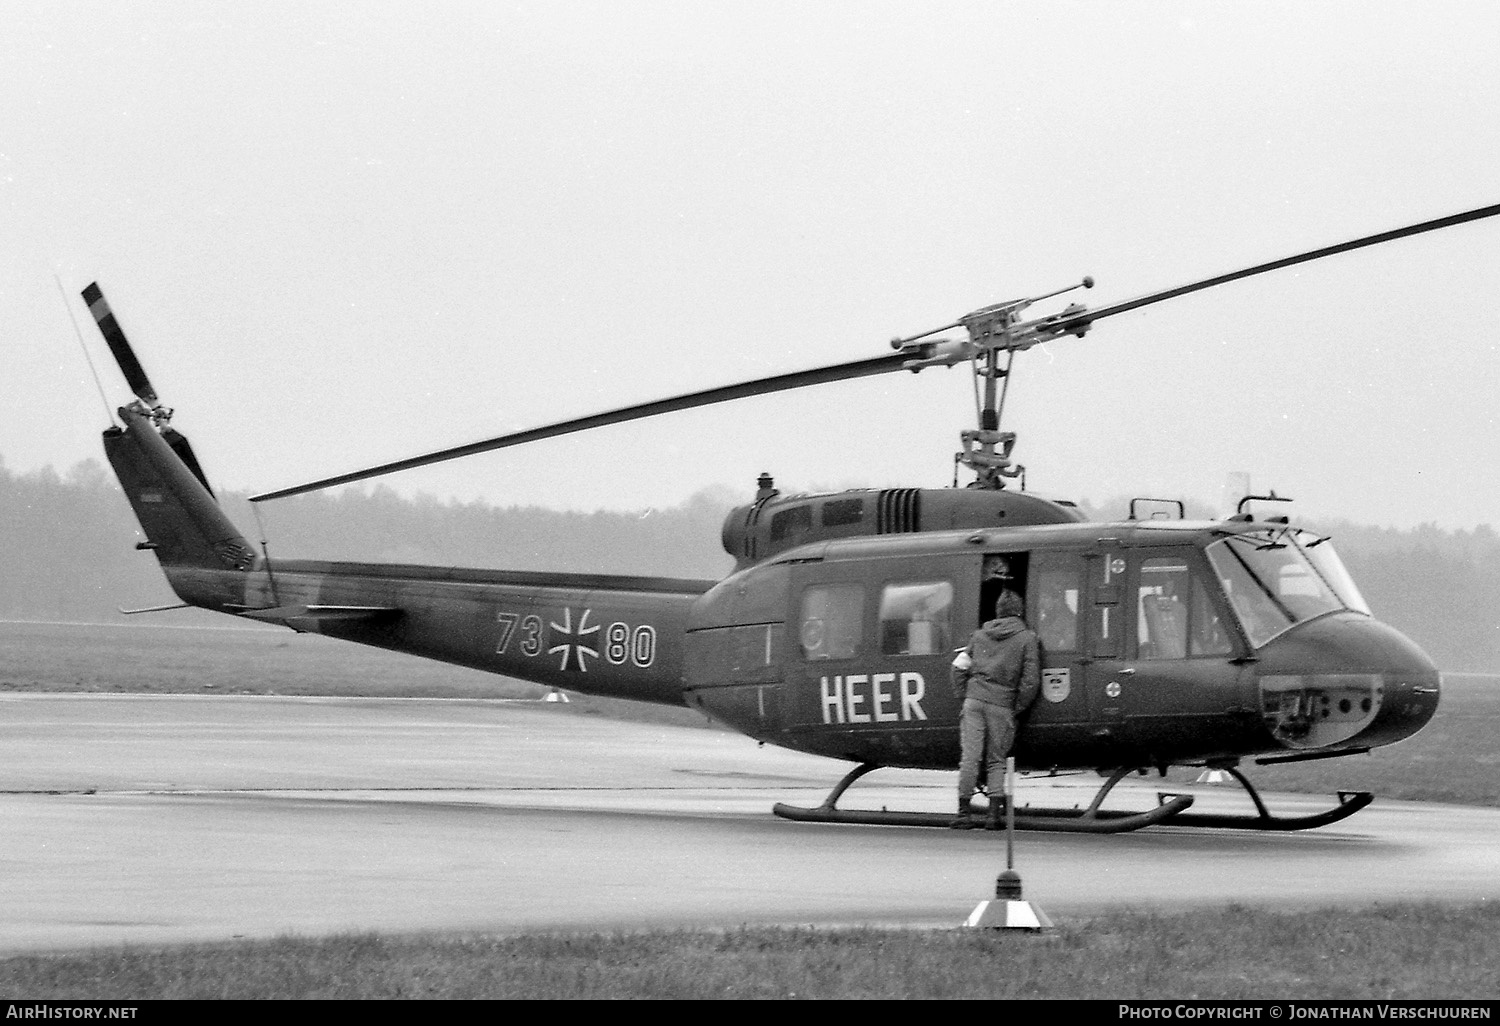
(1092, 820)
(1350, 802)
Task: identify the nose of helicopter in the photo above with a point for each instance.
(1345, 681)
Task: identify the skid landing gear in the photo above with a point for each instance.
(1170, 811)
(1350, 802)
(1092, 820)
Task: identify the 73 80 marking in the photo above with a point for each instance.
(623, 643)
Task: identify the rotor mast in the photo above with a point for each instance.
(992, 330)
(986, 449)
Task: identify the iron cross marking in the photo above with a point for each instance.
(573, 648)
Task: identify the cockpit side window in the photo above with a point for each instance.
(1161, 609)
(1175, 616)
(1208, 636)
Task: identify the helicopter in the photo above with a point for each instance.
(1165, 641)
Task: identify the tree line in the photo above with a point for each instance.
(67, 541)
(67, 551)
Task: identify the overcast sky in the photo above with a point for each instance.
(340, 234)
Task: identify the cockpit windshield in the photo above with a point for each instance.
(1279, 577)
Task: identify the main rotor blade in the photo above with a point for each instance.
(742, 390)
(908, 357)
(114, 335)
(1083, 320)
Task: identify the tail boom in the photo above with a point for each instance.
(606, 635)
(614, 636)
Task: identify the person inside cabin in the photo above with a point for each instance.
(1056, 622)
(997, 677)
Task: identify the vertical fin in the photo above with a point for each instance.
(182, 521)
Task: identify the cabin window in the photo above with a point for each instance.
(789, 522)
(842, 512)
(1175, 617)
(916, 619)
(1057, 596)
(830, 624)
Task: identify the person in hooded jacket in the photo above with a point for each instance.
(998, 677)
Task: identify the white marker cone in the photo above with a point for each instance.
(1009, 911)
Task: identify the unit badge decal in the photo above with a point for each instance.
(1057, 685)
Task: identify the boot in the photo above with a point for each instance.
(964, 821)
(995, 818)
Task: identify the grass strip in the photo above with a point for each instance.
(1395, 951)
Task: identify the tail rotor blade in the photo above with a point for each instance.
(114, 336)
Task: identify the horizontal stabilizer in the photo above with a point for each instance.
(280, 614)
(155, 609)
